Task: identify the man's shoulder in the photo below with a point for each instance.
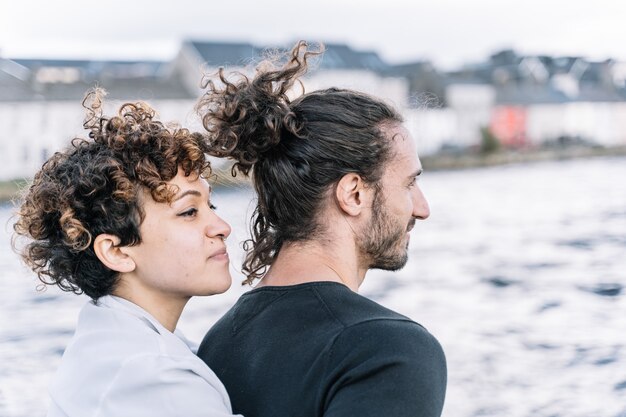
(323, 306)
(375, 328)
(353, 309)
(340, 304)
(401, 345)
(387, 334)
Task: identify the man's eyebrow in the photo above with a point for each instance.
(416, 173)
(188, 192)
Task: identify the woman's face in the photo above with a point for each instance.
(182, 251)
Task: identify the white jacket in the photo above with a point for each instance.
(122, 362)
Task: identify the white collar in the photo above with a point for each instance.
(118, 303)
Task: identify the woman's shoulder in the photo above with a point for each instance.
(119, 329)
(115, 352)
(105, 326)
(138, 383)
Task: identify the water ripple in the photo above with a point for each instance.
(520, 279)
(605, 289)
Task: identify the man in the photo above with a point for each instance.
(335, 175)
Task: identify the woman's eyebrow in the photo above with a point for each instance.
(188, 192)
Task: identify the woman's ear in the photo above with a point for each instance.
(112, 255)
(353, 195)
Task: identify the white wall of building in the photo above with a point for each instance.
(545, 122)
(431, 128)
(620, 122)
(394, 90)
(188, 64)
(30, 132)
(599, 122)
(472, 104)
(602, 123)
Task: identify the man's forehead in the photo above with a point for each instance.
(395, 131)
(403, 144)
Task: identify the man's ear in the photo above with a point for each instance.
(352, 194)
(112, 255)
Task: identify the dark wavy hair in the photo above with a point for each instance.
(297, 149)
(95, 186)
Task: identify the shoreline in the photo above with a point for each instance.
(471, 160)
(221, 177)
(9, 190)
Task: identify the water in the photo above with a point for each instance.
(520, 272)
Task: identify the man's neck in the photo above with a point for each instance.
(313, 261)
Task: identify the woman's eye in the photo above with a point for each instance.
(189, 213)
(212, 207)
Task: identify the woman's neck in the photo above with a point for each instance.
(166, 308)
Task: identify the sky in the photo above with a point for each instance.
(449, 33)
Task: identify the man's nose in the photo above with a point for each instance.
(421, 210)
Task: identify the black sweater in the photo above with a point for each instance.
(319, 349)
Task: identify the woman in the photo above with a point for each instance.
(126, 218)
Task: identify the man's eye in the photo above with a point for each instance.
(189, 213)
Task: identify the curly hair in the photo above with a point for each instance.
(295, 149)
(95, 187)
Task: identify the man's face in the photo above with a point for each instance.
(398, 202)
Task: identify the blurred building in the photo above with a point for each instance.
(540, 99)
(525, 101)
(40, 103)
(339, 66)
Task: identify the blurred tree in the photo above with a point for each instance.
(489, 143)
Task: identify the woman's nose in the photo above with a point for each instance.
(218, 227)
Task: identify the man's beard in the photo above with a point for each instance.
(380, 243)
